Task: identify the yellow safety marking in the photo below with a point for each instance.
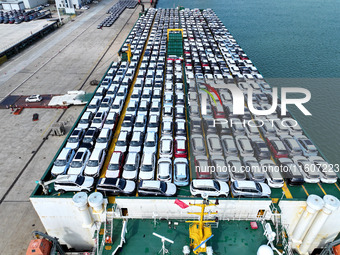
(121, 117)
(336, 185)
(324, 192)
(111, 199)
(275, 200)
(303, 186)
(287, 191)
(231, 193)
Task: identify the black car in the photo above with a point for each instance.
(89, 138)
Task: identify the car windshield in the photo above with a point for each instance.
(150, 144)
(87, 140)
(147, 168)
(135, 143)
(80, 180)
(126, 124)
(113, 167)
(76, 164)
(101, 140)
(258, 186)
(122, 183)
(163, 187)
(73, 140)
(97, 121)
(121, 142)
(84, 121)
(60, 162)
(130, 167)
(108, 121)
(216, 185)
(93, 163)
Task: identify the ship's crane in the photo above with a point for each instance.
(200, 230)
(45, 185)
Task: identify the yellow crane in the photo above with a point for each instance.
(200, 230)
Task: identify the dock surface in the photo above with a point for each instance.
(53, 65)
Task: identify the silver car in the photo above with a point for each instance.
(229, 146)
(214, 145)
(326, 171)
(253, 169)
(235, 169)
(250, 189)
(272, 173)
(308, 169)
(244, 146)
(198, 145)
(220, 168)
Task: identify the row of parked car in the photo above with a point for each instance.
(115, 12)
(237, 137)
(18, 16)
(81, 161)
(139, 136)
(155, 118)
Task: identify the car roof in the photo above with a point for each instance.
(64, 152)
(69, 178)
(151, 184)
(203, 183)
(245, 184)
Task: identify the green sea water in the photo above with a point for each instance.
(292, 43)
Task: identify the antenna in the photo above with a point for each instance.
(163, 239)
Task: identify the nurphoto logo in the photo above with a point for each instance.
(238, 99)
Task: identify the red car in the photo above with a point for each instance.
(181, 147)
(277, 147)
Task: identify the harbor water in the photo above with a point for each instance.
(292, 43)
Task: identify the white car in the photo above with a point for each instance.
(164, 169)
(211, 188)
(62, 163)
(147, 167)
(111, 121)
(272, 173)
(79, 161)
(95, 163)
(75, 138)
(33, 99)
(104, 139)
(99, 120)
(131, 167)
(250, 189)
(150, 142)
(65, 183)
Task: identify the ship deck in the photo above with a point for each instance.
(229, 238)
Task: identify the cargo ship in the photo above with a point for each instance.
(165, 158)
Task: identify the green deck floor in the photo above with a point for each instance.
(231, 237)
